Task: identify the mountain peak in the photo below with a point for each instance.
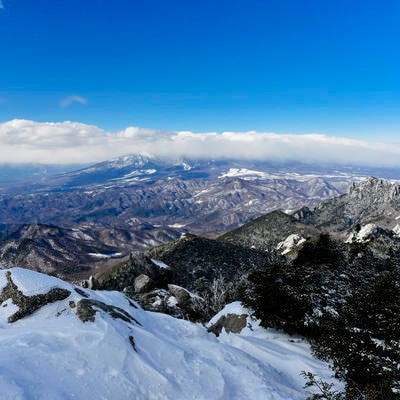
(99, 344)
(373, 200)
(373, 186)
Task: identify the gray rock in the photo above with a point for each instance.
(143, 284)
(182, 295)
(87, 308)
(232, 323)
(29, 304)
(92, 283)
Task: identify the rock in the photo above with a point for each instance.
(232, 323)
(29, 304)
(143, 284)
(124, 275)
(92, 283)
(87, 308)
(182, 295)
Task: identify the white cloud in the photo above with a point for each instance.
(72, 142)
(1, 4)
(72, 99)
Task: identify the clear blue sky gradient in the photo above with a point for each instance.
(290, 66)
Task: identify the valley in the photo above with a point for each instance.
(296, 250)
(55, 223)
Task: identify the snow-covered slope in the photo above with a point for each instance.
(72, 343)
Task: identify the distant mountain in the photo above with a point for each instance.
(363, 242)
(200, 196)
(304, 272)
(150, 201)
(74, 252)
(197, 261)
(266, 232)
(12, 173)
(373, 200)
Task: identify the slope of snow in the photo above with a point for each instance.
(244, 173)
(52, 354)
(160, 264)
(362, 235)
(292, 241)
(396, 229)
(101, 255)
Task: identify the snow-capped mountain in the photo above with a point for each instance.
(201, 196)
(59, 341)
(138, 201)
(373, 200)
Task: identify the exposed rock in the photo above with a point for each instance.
(81, 292)
(232, 323)
(92, 283)
(123, 276)
(85, 311)
(161, 300)
(87, 308)
(132, 342)
(291, 245)
(372, 201)
(143, 283)
(182, 295)
(29, 304)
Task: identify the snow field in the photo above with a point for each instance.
(51, 354)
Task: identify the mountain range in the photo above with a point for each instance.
(301, 270)
(136, 202)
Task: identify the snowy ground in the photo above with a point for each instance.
(52, 354)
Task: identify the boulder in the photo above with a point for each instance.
(182, 295)
(232, 323)
(143, 284)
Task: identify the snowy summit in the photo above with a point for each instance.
(60, 341)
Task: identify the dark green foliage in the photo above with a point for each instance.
(346, 300)
(318, 251)
(275, 300)
(321, 389)
(364, 341)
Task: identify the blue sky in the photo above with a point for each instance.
(285, 66)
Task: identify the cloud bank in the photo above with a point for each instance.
(23, 141)
(72, 99)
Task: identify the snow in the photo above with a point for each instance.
(160, 264)
(396, 230)
(292, 241)
(362, 235)
(31, 283)
(101, 255)
(177, 226)
(244, 173)
(137, 173)
(51, 354)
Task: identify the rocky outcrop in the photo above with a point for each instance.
(86, 311)
(373, 200)
(123, 276)
(175, 301)
(29, 304)
(196, 261)
(231, 323)
(143, 283)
